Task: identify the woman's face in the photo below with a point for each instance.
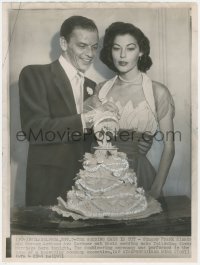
(125, 53)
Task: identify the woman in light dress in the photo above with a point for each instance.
(145, 107)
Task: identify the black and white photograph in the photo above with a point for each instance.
(99, 131)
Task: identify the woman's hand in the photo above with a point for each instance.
(145, 145)
(167, 128)
(154, 192)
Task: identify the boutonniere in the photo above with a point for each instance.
(90, 91)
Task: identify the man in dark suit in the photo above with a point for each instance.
(52, 118)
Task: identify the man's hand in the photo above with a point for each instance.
(108, 106)
(88, 118)
(90, 115)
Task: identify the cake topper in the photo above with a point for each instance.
(105, 128)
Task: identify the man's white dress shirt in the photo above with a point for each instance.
(76, 79)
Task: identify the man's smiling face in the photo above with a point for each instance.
(81, 48)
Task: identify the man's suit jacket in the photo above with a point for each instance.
(51, 124)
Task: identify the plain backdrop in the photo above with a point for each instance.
(34, 39)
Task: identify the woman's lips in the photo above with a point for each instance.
(122, 63)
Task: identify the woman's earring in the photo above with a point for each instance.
(139, 59)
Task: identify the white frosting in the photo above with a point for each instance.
(106, 190)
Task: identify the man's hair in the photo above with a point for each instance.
(76, 22)
(120, 29)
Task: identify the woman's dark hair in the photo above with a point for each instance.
(121, 28)
(76, 22)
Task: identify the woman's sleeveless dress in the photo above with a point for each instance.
(139, 123)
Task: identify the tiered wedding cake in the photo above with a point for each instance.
(106, 188)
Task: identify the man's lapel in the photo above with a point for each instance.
(62, 82)
(88, 88)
